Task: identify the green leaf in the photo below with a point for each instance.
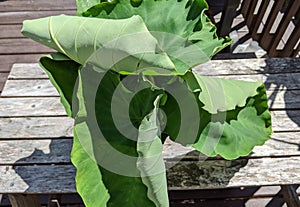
(123, 45)
(115, 153)
(150, 161)
(93, 193)
(236, 138)
(234, 115)
(83, 5)
(63, 74)
(219, 95)
(181, 28)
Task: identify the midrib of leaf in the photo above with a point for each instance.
(96, 37)
(76, 36)
(53, 36)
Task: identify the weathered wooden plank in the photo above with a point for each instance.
(37, 179)
(3, 78)
(43, 151)
(51, 106)
(36, 5)
(288, 120)
(288, 81)
(235, 173)
(20, 107)
(183, 175)
(31, 88)
(42, 127)
(285, 99)
(225, 202)
(27, 71)
(213, 67)
(280, 144)
(36, 127)
(10, 31)
(7, 18)
(35, 151)
(249, 66)
(6, 61)
(1, 87)
(22, 46)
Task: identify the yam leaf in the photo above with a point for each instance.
(123, 45)
(114, 150)
(150, 161)
(83, 5)
(89, 182)
(63, 73)
(237, 137)
(234, 115)
(181, 28)
(219, 95)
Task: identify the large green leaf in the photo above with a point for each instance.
(219, 95)
(181, 28)
(83, 5)
(121, 45)
(63, 74)
(93, 193)
(115, 153)
(150, 161)
(234, 115)
(237, 137)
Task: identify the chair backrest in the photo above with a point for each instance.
(275, 24)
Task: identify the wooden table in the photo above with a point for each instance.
(36, 137)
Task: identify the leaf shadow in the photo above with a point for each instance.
(283, 76)
(46, 172)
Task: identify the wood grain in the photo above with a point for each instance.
(35, 127)
(216, 67)
(280, 96)
(30, 88)
(7, 61)
(20, 107)
(42, 127)
(42, 179)
(10, 31)
(36, 5)
(235, 173)
(249, 66)
(17, 17)
(55, 151)
(27, 71)
(22, 46)
(280, 144)
(183, 175)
